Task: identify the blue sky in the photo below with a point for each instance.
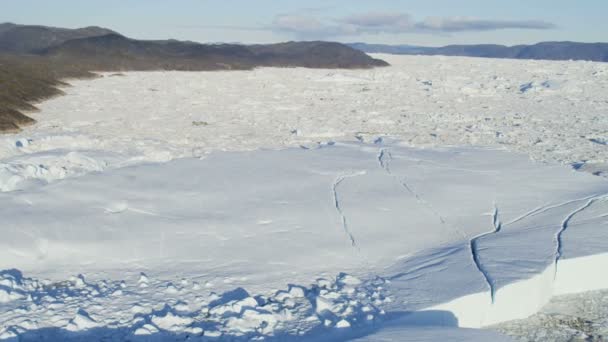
(421, 22)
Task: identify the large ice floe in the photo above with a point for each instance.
(216, 206)
(327, 242)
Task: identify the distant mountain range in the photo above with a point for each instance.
(544, 51)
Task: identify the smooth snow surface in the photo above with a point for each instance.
(175, 205)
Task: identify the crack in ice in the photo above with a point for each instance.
(564, 226)
(546, 208)
(338, 206)
(475, 252)
(384, 158)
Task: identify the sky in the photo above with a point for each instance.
(420, 22)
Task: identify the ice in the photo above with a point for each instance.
(7, 296)
(471, 102)
(82, 321)
(234, 314)
(347, 207)
(9, 336)
(44, 167)
(343, 324)
(171, 322)
(146, 329)
(580, 317)
(316, 204)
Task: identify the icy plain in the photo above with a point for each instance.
(552, 111)
(305, 204)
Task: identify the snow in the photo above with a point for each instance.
(317, 204)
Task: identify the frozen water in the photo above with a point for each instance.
(580, 317)
(399, 221)
(199, 210)
(425, 101)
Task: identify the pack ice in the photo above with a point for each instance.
(328, 242)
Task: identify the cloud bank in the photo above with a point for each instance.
(309, 25)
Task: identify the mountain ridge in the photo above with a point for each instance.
(551, 50)
(21, 39)
(114, 51)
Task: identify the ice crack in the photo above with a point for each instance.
(474, 244)
(564, 226)
(338, 205)
(384, 158)
(544, 209)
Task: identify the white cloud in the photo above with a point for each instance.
(306, 24)
(379, 20)
(457, 24)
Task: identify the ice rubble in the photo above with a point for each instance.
(425, 101)
(579, 317)
(120, 310)
(458, 236)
